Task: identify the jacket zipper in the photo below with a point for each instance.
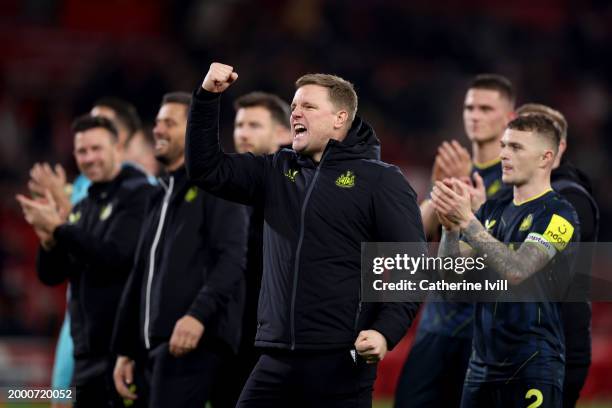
(160, 227)
(299, 249)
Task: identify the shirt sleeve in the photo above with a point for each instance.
(553, 229)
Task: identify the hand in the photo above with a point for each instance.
(43, 177)
(219, 77)
(123, 376)
(46, 239)
(452, 160)
(446, 223)
(436, 172)
(477, 191)
(371, 345)
(41, 214)
(452, 200)
(186, 335)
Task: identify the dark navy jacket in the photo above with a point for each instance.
(315, 218)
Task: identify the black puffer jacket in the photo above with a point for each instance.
(315, 218)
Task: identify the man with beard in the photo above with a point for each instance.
(181, 310)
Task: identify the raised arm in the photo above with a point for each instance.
(234, 177)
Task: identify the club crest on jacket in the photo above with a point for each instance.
(291, 175)
(191, 194)
(346, 180)
(106, 212)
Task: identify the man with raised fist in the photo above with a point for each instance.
(321, 200)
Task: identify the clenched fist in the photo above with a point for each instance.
(371, 346)
(219, 77)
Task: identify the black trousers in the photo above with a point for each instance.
(309, 379)
(178, 382)
(233, 375)
(434, 372)
(575, 377)
(577, 330)
(97, 391)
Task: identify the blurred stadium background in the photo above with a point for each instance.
(410, 62)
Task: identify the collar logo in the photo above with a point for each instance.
(346, 180)
(73, 218)
(526, 223)
(106, 212)
(489, 224)
(191, 194)
(291, 175)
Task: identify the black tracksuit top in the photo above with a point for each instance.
(94, 250)
(190, 259)
(315, 218)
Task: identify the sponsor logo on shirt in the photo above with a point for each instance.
(559, 232)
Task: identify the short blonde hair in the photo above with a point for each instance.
(555, 116)
(341, 92)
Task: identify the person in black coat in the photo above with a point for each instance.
(261, 126)
(321, 200)
(93, 250)
(183, 304)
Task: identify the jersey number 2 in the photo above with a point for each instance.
(539, 398)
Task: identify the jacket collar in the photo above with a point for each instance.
(181, 181)
(104, 189)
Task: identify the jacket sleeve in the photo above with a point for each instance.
(234, 177)
(113, 255)
(54, 266)
(227, 233)
(397, 219)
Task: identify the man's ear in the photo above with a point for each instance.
(341, 119)
(511, 116)
(548, 157)
(562, 148)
